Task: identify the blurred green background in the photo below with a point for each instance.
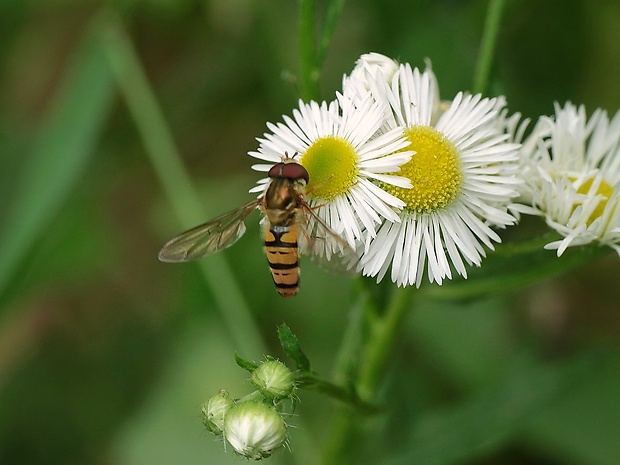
(106, 354)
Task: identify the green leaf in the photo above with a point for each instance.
(245, 364)
(513, 266)
(291, 346)
(583, 426)
(490, 419)
(64, 147)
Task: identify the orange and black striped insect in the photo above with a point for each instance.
(290, 225)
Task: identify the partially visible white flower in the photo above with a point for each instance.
(254, 429)
(572, 168)
(374, 71)
(369, 67)
(463, 173)
(515, 127)
(345, 156)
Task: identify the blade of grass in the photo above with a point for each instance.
(65, 144)
(176, 182)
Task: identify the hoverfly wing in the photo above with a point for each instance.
(208, 238)
(324, 246)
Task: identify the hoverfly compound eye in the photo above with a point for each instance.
(289, 170)
(295, 171)
(276, 171)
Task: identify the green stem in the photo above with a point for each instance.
(176, 182)
(383, 331)
(309, 78)
(332, 15)
(255, 396)
(381, 341)
(314, 43)
(309, 381)
(487, 47)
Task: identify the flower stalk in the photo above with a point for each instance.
(487, 47)
(377, 349)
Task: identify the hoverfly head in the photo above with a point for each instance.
(289, 169)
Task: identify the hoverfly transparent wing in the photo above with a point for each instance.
(324, 246)
(208, 238)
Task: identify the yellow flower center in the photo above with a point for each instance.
(604, 189)
(331, 163)
(434, 171)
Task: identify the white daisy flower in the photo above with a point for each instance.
(463, 174)
(345, 157)
(573, 176)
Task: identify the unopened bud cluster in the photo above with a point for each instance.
(254, 425)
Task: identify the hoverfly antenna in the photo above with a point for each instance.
(286, 158)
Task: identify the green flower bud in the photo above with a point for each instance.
(254, 429)
(214, 410)
(274, 380)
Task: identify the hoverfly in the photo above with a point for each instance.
(289, 225)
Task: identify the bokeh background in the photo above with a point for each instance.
(106, 354)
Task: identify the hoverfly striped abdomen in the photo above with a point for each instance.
(283, 257)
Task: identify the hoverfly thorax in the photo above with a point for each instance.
(285, 192)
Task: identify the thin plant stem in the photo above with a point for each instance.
(314, 43)
(309, 71)
(487, 47)
(176, 182)
(332, 15)
(310, 381)
(383, 333)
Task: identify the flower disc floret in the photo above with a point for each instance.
(434, 171)
(332, 165)
(603, 192)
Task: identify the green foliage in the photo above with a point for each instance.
(64, 147)
(514, 266)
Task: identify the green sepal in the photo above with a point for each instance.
(245, 364)
(291, 346)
